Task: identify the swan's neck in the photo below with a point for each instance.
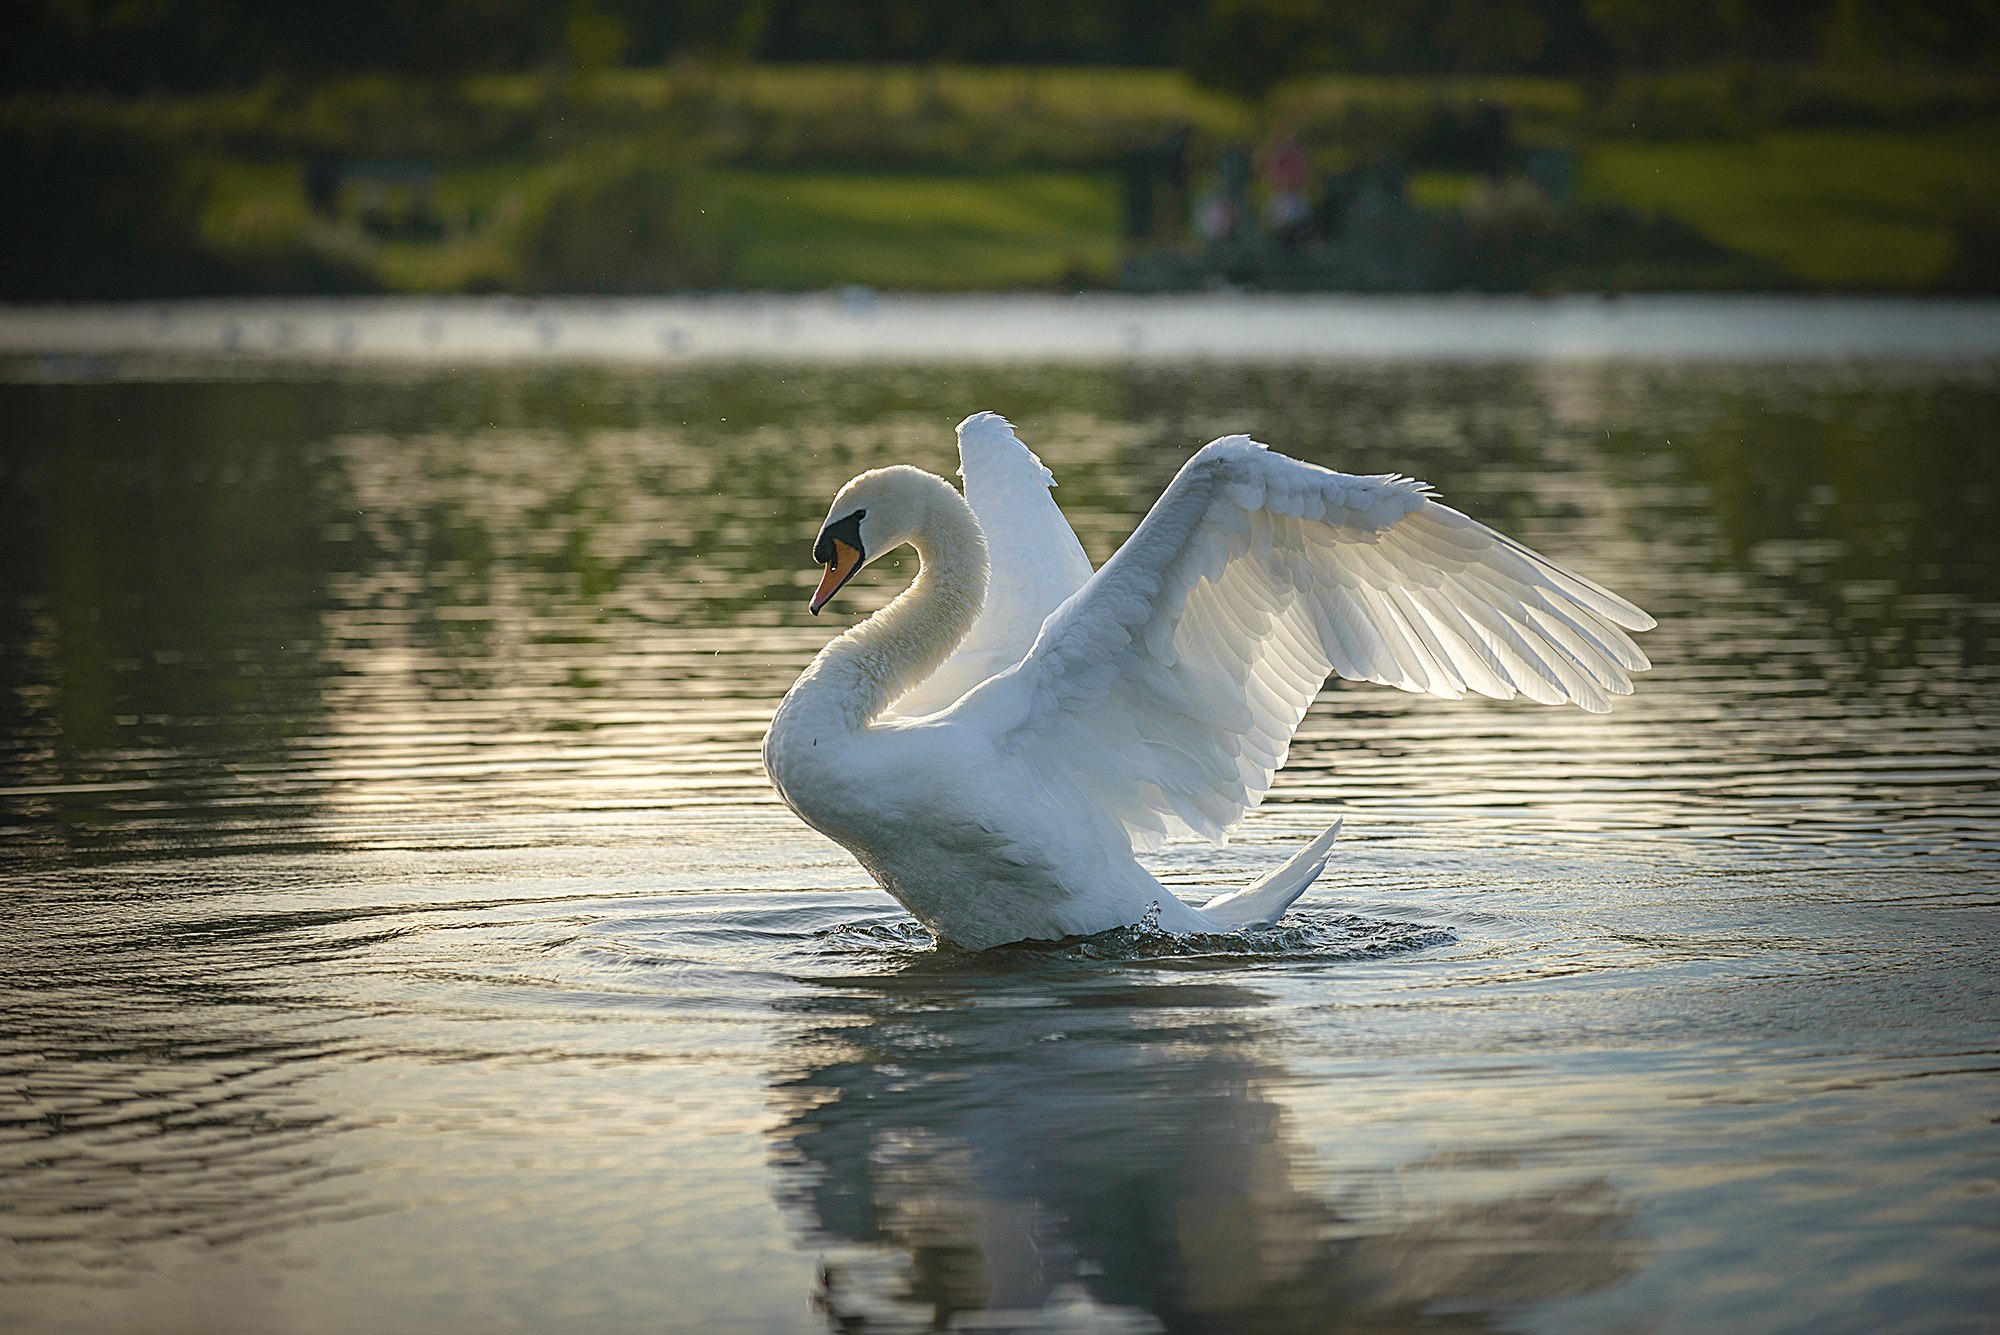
(874, 663)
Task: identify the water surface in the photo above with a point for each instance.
(401, 934)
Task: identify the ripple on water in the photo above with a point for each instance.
(1304, 936)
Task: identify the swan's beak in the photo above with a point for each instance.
(846, 560)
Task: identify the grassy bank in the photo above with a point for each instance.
(941, 178)
(799, 230)
(1836, 208)
(531, 224)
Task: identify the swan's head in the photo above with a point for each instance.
(871, 517)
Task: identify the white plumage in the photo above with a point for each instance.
(995, 761)
(1033, 552)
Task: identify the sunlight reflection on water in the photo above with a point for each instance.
(402, 934)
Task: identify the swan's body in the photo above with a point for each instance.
(995, 762)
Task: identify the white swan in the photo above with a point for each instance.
(1004, 795)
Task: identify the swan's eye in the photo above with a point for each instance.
(847, 530)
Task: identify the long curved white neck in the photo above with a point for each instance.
(859, 674)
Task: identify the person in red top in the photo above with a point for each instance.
(1287, 170)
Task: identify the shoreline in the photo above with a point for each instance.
(860, 326)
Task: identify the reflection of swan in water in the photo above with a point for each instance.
(964, 1142)
(996, 771)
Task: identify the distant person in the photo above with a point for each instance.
(322, 184)
(1491, 140)
(1287, 171)
(1172, 155)
(1286, 214)
(1136, 175)
(1216, 218)
(423, 220)
(1336, 201)
(1232, 178)
(1220, 212)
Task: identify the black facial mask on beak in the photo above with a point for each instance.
(847, 530)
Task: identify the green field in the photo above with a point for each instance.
(802, 230)
(948, 178)
(1835, 208)
(779, 229)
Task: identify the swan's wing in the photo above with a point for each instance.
(1168, 689)
(1035, 561)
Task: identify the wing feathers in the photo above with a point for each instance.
(1036, 559)
(1170, 686)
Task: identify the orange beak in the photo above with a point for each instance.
(846, 560)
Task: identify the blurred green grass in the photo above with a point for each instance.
(797, 230)
(1836, 208)
(761, 228)
(961, 178)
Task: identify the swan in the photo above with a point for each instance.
(997, 745)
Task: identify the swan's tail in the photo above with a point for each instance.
(1262, 902)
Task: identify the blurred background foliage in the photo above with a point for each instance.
(170, 147)
(150, 46)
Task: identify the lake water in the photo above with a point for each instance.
(401, 935)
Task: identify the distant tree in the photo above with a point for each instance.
(172, 45)
(1101, 32)
(1444, 36)
(1945, 32)
(657, 31)
(1246, 46)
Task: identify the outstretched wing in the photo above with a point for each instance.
(1034, 558)
(1169, 688)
